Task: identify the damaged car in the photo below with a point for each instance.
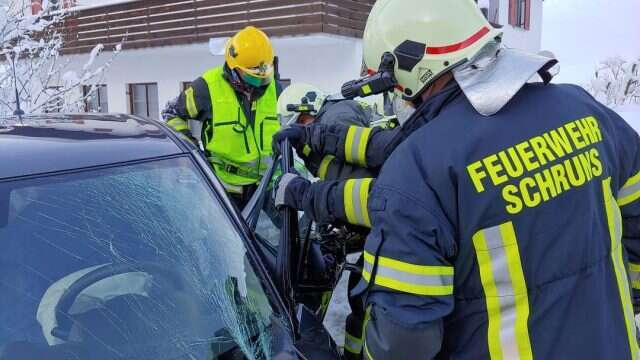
(118, 242)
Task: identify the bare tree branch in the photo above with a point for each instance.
(31, 61)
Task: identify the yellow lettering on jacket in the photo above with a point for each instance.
(543, 167)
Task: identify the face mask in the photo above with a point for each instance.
(253, 80)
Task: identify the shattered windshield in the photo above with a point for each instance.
(129, 262)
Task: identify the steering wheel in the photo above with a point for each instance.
(64, 321)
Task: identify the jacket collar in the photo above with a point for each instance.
(494, 76)
(432, 107)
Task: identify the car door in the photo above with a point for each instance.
(302, 257)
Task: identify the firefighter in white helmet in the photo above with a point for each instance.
(506, 225)
(299, 103)
(302, 104)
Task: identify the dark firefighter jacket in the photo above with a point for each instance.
(351, 159)
(509, 236)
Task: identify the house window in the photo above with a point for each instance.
(143, 100)
(96, 102)
(520, 13)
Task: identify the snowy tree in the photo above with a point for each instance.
(616, 82)
(32, 68)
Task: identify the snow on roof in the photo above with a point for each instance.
(89, 4)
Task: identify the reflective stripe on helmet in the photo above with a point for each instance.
(437, 50)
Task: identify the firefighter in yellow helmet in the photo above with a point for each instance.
(236, 104)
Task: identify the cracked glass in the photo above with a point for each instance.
(130, 262)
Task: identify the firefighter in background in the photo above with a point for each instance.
(506, 225)
(237, 105)
(341, 195)
(302, 104)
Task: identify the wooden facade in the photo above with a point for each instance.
(150, 23)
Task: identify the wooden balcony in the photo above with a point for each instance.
(149, 23)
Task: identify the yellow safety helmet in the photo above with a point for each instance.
(250, 54)
(426, 37)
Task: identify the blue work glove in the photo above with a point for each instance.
(296, 134)
(290, 191)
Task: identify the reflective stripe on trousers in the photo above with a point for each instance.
(614, 221)
(634, 275)
(505, 292)
(352, 344)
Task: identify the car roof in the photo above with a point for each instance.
(45, 143)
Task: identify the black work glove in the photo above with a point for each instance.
(296, 134)
(290, 191)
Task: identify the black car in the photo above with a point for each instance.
(118, 242)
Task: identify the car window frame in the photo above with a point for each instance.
(282, 272)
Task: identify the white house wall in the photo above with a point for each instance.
(516, 37)
(323, 60)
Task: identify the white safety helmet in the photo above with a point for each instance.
(426, 37)
(297, 99)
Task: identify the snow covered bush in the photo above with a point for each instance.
(616, 82)
(32, 68)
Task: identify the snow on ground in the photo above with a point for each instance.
(338, 311)
(339, 307)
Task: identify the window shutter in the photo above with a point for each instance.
(527, 15)
(513, 8)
